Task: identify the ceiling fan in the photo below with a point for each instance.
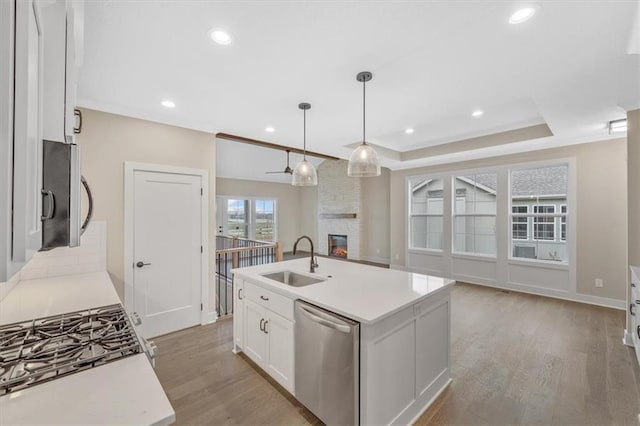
(287, 170)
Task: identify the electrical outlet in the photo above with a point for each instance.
(599, 282)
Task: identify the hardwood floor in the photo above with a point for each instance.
(516, 359)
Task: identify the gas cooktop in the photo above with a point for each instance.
(36, 351)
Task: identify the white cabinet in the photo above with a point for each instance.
(255, 344)
(238, 315)
(405, 361)
(267, 338)
(21, 51)
(63, 23)
(280, 349)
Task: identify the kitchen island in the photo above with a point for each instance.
(404, 343)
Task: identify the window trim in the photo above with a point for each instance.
(505, 259)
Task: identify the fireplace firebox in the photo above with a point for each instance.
(338, 246)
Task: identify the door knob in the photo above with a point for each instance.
(141, 264)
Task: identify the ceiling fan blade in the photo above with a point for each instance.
(287, 170)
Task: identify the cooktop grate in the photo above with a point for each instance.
(36, 351)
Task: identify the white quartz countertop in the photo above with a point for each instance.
(364, 293)
(125, 391)
(57, 295)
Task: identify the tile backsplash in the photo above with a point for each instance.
(90, 256)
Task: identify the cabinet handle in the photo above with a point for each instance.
(261, 321)
(638, 331)
(52, 203)
(631, 306)
(239, 294)
(77, 113)
(264, 298)
(265, 327)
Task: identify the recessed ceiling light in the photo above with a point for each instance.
(409, 131)
(477, 113)
(168, 104)
(220, 37)
(269, 129)
(522, 15)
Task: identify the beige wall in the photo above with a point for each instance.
(289, 206)
(601, 210)
(107, 141)
(375, 217)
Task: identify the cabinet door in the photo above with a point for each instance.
(255, 339)
(280, 359)
(238, 313)
(71, 79)
(27, 163)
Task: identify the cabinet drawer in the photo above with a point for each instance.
(281, 305)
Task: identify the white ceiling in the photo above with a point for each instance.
(433, 64)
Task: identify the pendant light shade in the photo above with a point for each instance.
(363, 162)
(364, 159)
(305, 173)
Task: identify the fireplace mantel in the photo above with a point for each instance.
(338, 215)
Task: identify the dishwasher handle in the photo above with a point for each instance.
(339, 327)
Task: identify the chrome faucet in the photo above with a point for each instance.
(314, 264)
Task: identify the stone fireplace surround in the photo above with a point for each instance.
(338, 194)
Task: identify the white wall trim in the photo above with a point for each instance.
(538, 291)
(130, 168)
(210, 317)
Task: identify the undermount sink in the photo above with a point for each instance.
(293, 278)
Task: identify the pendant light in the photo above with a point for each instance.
(364, 159)
(304, 174)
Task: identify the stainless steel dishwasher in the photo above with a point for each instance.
(327, 364)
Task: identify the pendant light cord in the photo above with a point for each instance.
(304, 137)
(364, 110)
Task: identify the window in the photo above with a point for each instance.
(543, 191)
(265, 220)
(519, 224)
(563, 222)
(425, 217)
(237, 218)
(475, 214)
(252, 218)
(544, 227)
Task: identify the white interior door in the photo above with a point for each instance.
(167, 251)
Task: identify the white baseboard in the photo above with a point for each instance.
(628, 338)
(209, 318)
(538, 291)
